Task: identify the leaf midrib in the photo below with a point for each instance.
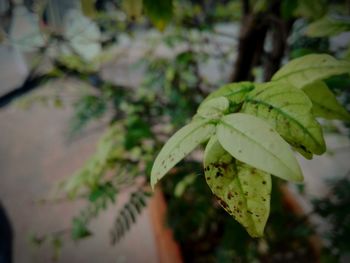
(242, 193)
(330, 110)
(186, 136)
(257, 143)
(307, 68)
(286, 115)
(231, 93)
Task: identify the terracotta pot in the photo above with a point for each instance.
(168, 249)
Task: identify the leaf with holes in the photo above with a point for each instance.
(310, 68)
(213, 108)
(179, 145)
(288, 110)
(253, 141)
(243, 191)
(324, 103)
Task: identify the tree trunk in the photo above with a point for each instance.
(274, 58)
(250, 47)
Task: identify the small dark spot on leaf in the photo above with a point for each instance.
(303, 148)
(224, 204)
(219, 174)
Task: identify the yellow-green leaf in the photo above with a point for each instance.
(213, 108)
(243, 191)
(288, 110)
(253, 141)
(234, 92)
(307, 69)
(179, 145)
(324, 103)
(328, 26)
(312, 9)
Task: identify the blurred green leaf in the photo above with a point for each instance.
(304, 70)
(79, 230)
(159, 11)
(133, 8)
(87, 108)
(312, 9)
(288, 8)
(324, 103)
(328, 26)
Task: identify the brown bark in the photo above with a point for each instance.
(250, 47)
(274, 58)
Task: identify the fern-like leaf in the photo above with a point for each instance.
(128, 214)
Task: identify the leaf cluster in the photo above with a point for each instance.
(251, 129)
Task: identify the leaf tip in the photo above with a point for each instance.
(154, 180)
(298, 179)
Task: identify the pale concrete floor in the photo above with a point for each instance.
(34, 155)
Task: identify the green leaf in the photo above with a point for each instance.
(160, 12)
(328, 26)
(288, 110)
(347, 54)
(253, 141)
(79, 230)
(308, 69)
(288, 8)
(244, 191)
(260, 6)
(213, 108)
(324, 103)
(181, 186)
(312, 9)
(234, 92)
(179, 145)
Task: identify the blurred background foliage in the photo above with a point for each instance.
(262, 34)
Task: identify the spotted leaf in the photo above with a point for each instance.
(179, 145)
(252, 141)
(243, 191)
(288, 110)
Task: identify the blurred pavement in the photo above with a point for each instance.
(34, 155)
